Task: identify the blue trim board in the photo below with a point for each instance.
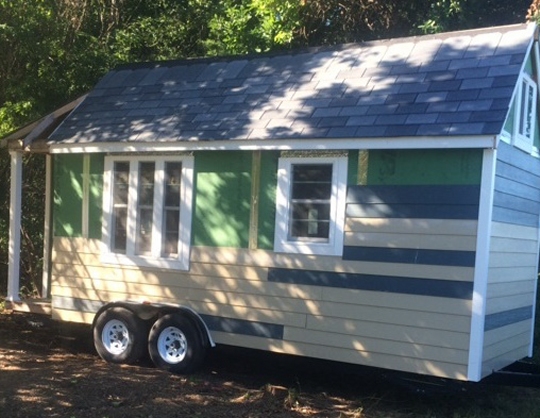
(512, 316)
(431, 202)
(357, 281)
(410, 256)
(244, 327)
(427, 195)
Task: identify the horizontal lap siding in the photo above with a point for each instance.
(513, 259)
(427, 235)
(402, 331)
(392, 243)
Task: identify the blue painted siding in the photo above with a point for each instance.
(410, 256)
(449, 202)
(517, 187)
(420, 202)
(244, 327)
(406, 285)
(512, 316)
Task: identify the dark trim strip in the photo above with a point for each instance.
(244, 327)
(420, 194)
(214, 323)
(512, 316)
(406, 285)
(430, 202)
(410, 256)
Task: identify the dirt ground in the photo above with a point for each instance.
(48, 369)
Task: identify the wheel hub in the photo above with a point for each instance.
(115, 337)
(172, 345)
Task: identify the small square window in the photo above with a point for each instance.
(310, 205)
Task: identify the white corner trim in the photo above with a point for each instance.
(14, 248)
(47, 230)
(535, 298)
(481, 271)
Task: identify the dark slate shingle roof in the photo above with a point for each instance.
(457, 83)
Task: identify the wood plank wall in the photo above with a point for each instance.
(513, 259)
(399, 297)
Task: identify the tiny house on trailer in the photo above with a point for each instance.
(374, 204)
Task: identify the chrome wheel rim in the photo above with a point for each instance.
(115, 337)
(172, 345)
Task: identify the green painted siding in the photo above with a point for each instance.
(267, 200)
(352, 169)
(95, 195)
(529, 65)
(509, 124)
(424, 167)
(68, 195)
(222, 199)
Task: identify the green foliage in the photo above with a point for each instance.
(54, 50)
(252, 26)
(164, 29)
(448, 15)
(14, 114)
(440, 14)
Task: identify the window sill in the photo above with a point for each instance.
(143, 261)
(312, 248)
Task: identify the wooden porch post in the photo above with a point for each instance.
(15, 226)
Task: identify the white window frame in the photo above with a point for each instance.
(179, 261)
(521, 141)
(334, 245)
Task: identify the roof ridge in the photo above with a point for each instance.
(312, 49)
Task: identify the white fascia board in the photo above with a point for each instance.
(450, 142)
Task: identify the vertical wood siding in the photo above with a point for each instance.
(513, 259)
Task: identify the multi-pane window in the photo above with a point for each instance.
(310, 201)
(120, 205)
(310, 205)
(171, 210)
(525, 124)
(147, 210)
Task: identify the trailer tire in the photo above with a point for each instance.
(120, 335)
(174, 344)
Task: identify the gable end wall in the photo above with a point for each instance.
(513, 259)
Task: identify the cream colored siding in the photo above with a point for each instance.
(435, 234)
(402, 331)
(502, 346)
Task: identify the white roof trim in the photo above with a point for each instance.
(450, 142)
